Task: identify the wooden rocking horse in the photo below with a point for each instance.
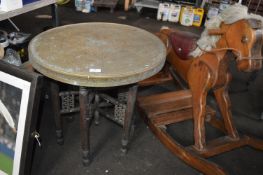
(207, 72)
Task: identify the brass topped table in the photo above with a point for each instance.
(91, 55)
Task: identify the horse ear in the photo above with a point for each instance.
(255, 23)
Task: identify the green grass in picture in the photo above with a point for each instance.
(6, 164)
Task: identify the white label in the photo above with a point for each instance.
(95, 70)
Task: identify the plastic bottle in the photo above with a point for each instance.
(160, 11)
(87, 6)
(79, 5)
(198, 17)
(166, 9)
(174, 13)
(223, 5)
(213, 11)
(187, 16)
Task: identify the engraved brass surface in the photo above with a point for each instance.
(97, 54)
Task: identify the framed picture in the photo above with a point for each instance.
(19, 102)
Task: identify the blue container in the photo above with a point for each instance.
(28, 1)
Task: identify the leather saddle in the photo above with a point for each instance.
(183, 43)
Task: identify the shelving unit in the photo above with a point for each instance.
(26, 8)
(154, 4)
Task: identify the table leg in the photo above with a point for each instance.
(96, 113)
(54, 13)
(54, 97)
(126, 5)
(132, 93)
(85, 98)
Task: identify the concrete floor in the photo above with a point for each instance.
(146, 156)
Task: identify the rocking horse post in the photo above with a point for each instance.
(208, 71)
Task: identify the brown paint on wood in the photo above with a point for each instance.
(210, 71)
(164, 97)
(189, 157)
(178, 116)
(219, 146)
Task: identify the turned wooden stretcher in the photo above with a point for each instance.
(210, 71)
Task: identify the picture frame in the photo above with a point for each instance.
(20, 91)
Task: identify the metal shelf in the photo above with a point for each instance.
(146, 3)
(26, 8)
(154, 4)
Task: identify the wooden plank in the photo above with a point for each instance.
(159, 78)
(255, 143)
(220, 145)
(158, 99)
(172, 117)
(178, 116)
(168, 107)
(26, 8)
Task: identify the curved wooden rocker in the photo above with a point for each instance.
(207, 72)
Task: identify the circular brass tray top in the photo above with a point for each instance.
(97, 54)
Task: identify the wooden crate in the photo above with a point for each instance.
(105, 3)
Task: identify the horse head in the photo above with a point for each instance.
(245, 39)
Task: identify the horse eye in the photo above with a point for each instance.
(244, 39)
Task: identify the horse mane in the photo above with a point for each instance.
(230, 15)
